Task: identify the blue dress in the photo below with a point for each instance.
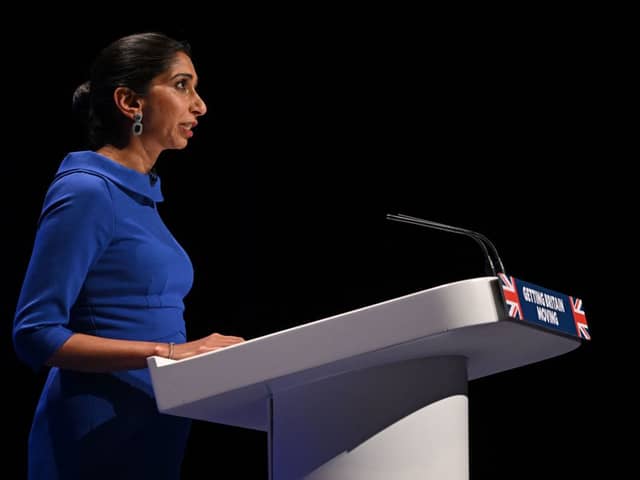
(103, 263)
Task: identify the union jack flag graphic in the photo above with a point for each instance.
(580, 319)
(511, 296)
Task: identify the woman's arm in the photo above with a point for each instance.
(75, 227)
(88, 353)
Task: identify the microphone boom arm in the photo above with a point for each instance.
(491, 254)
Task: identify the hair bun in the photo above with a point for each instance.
(80, 101)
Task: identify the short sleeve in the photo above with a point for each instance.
(75, 226)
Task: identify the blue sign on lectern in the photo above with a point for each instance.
(543, 307)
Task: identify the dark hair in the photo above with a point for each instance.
(131, 61)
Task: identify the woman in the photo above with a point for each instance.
(106, 280)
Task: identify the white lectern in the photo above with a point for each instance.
(375, 393)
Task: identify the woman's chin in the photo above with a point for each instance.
(179, 145)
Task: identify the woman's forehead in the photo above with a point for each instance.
(180, 64)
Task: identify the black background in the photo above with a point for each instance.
(313, 135)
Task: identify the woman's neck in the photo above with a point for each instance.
(129, 157)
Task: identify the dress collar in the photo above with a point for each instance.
(147, 185)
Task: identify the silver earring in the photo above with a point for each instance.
(136, 128)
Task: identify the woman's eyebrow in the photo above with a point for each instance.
(182, 75)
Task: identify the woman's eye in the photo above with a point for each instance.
(181, 85)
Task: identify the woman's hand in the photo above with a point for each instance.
(210, 343)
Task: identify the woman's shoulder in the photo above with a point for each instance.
(80, 182)
(79, 187)
(77, 196)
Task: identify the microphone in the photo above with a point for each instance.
(490, 252)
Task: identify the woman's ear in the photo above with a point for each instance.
(127, 101)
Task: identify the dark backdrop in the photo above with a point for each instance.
(312, 136)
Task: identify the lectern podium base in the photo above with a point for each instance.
(430, 443)
(405, 420)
